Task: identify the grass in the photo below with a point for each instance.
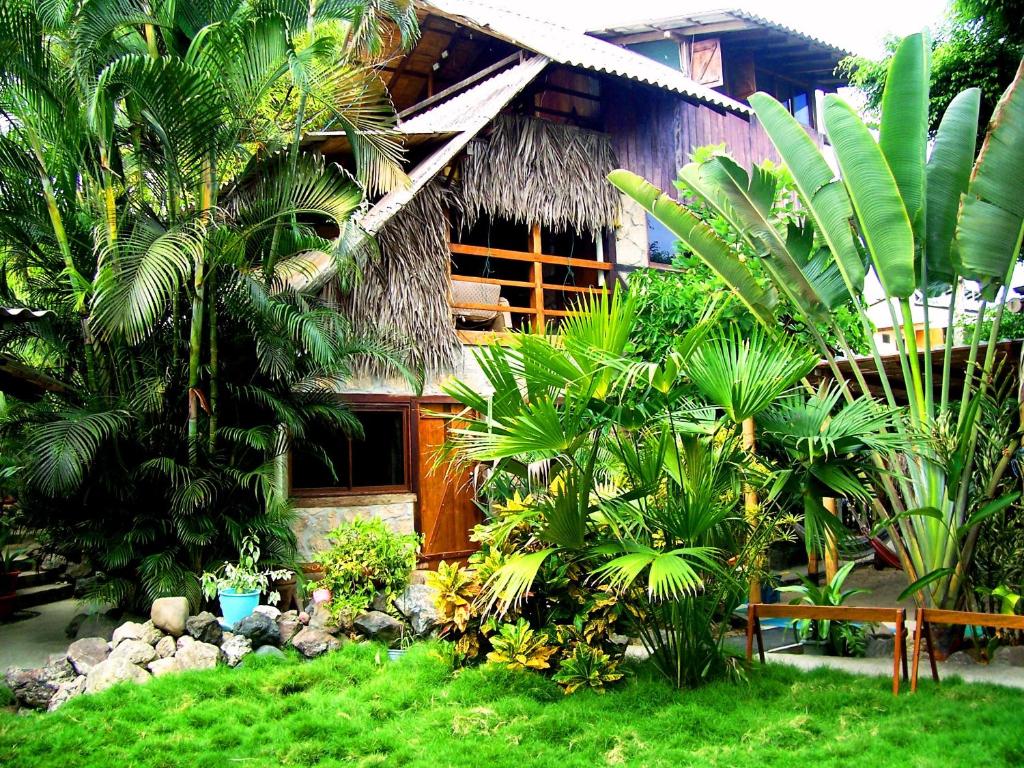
(356, 708)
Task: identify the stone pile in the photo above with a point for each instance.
(175, 641)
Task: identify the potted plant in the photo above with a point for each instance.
(8, 573)
(238, 585)
(823, 636)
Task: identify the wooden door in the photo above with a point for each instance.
(447, 512)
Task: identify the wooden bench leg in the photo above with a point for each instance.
(760, 638)
(917, 653)
(931, 652)
(750, 632)
(897, 654)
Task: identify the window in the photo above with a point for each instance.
(801, 107)
(661, 243)
(664, 51)
(376, 462)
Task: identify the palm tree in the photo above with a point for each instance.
(153, 197)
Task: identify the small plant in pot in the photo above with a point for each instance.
(825, 637)
(238, 585)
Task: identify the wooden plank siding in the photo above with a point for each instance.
(653, 133)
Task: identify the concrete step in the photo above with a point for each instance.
(42, 594)
(32, 578)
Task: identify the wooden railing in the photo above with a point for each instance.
(536, 259)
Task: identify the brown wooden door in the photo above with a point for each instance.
(447, 512)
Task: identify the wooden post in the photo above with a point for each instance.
(812, 567)
(831, 550)
(537, 278)
(750, 503)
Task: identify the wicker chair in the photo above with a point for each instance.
(480, 319)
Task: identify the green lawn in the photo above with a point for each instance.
(349, 708)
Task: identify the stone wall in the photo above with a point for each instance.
(631, 235)
(316, 517)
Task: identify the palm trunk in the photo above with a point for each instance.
(214, 366)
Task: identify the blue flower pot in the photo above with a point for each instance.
(237, 605)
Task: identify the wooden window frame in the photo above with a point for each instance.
(363, 404)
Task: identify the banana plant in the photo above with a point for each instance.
(924, 225)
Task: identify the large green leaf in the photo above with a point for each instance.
(701, 239)
(989, 231)
(948, 174)
(825, 197)
(875, 196)
(903, 137)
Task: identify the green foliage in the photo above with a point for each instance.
(589, 668)
(627, 482)
(417, 713)
(926, 224)
(366, 557)
(841, 638)
(518, 646)
(155, 202)
(979, 45)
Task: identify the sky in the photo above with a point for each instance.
(859, 26)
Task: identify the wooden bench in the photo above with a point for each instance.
(928, 616)
(757, 611)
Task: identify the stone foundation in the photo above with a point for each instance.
(316, 517)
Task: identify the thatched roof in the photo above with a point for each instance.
(403, 295)
(535, 171)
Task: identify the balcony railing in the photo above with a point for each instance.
(539, 306)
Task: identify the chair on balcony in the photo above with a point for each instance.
(465, 294)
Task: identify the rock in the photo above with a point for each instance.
(379, 626)
(165, 666)
(184, 642)
(269, 650)
(166, 647)
(57, 659)
(381, 602)
(170, 614)
(205, 628)
(86, 653)
(130, 630)
(77, 570)
(198, 655)
(320, 618)
(1009, 656)
(92, 625)
(267, 610)
(150, 634)
(67, 690)
(880, 646)
(134, 652)
(85, 584)
(236, 648)
(113, 671)
(34, 688)
(287, 628)
(416, 603)
(312, 642)
(303, 618)
(960, 659)
(260, 629)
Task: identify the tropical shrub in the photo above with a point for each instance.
(366, 557)
(161, 217)
(841, 638)
(518, 646)
(926, 224)
(638, 483)
(587, 667)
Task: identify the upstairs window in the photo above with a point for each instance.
(801, 108)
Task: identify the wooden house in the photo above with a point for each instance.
(510, 126)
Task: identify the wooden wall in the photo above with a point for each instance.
(653, 132)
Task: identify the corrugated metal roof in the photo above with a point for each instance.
(705, 18)
(575, 48)
(21, 314)
(461, 113)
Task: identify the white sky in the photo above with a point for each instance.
(859, 26)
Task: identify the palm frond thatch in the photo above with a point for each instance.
(407, 288)
(535, 171)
